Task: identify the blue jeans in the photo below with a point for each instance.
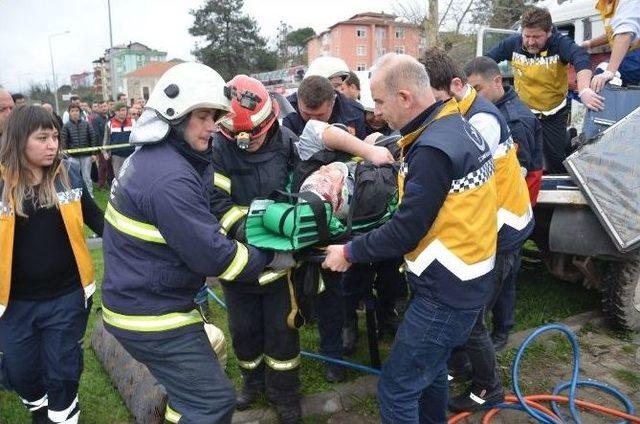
(413, 386)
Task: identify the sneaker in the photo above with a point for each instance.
(499, 341)
(460, 375)
(476, 399)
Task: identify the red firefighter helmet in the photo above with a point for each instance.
(253, 111)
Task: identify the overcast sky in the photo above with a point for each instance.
(25, 27)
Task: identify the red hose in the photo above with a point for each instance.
(532, 401)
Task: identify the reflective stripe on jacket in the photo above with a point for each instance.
(161, 240)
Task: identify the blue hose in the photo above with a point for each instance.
(571, 384)
(539, 416)
(357, 367)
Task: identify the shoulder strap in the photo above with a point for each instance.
(319, 212)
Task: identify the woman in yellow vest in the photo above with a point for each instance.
(621, 20)
(46, 273)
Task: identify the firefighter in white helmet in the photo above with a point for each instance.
(333, 68)
(161, 240)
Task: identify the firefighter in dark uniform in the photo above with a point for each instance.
(317, 99)
(161, 240)
(253, 156)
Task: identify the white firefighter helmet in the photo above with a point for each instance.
(182, 89)
(328, 67)
(366, 99)
(186, 87)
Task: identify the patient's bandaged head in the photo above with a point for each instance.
(333, 183)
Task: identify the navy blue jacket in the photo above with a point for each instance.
(560, 44)
(431, 169)
(160, 187)
(526, 129)
(508, 238)
(345, 111)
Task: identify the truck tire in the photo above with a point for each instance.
(621, 298)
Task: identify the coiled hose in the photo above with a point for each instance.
(529, 404)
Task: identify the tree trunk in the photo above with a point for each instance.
(431, 24)
(144, 397)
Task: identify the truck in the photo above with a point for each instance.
(574, 234)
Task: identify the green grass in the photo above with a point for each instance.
(628, 377)
(540, 299)
(100, 401)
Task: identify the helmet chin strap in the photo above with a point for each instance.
(243, 140)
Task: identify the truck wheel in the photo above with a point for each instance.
(621, 298)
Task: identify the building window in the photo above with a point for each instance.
(361, 50)
(361, 32)
(400, 50)
(361, 67)
(400, 33)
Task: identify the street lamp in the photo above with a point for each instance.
(53, 71)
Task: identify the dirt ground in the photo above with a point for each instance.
(606, 356)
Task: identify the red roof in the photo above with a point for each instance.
(152, 69)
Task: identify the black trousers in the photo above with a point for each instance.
(268, 350)
(330, 310)
(555, 141)
(389, 283)
(188, 368)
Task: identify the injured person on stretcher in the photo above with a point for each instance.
(341, 184)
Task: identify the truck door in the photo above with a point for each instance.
(489, 38)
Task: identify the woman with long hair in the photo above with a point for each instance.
(46, 273)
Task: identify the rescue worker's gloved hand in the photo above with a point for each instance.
(281, 260)
(591, 100)
(598, 81)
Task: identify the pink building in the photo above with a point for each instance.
(84, 79)
(364, 37)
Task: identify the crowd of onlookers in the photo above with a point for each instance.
(87, 126)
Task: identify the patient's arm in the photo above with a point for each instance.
(336, 139)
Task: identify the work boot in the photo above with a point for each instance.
(252, 387)
(350, 335)
(476, 398)
(334, 373)
(289, 413)
(246, 398)
(39, 416)
(499, 341)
